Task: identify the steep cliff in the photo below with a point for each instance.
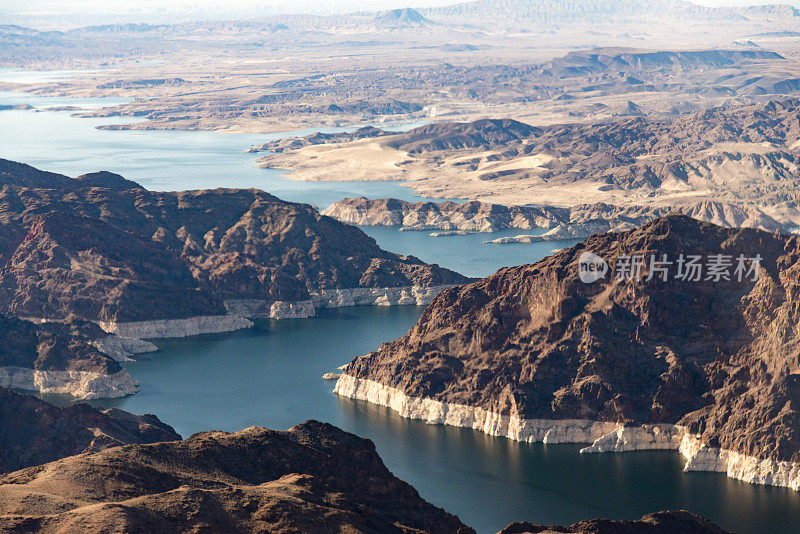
(59, 358)
(707, 366)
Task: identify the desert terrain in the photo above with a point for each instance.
(522, 106)
(648, 127)
(539, 65)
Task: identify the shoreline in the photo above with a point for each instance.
(241, 311)
(84, 385)
(602, 436)
(126, 339)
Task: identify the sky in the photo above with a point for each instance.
(277, 6)
(280, 6)
(52, 14)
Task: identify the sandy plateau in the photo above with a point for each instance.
(362, 160)
(745, 155)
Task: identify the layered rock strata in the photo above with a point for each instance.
(707, 366)
(59, 358)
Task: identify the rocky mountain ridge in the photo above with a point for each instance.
(34, 432)
(141, 264)
(660, 522)
(627, 362)
(576, 222)
(311, 478)
(131, 255)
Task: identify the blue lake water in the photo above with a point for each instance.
(467, 254)
(271, 375)
(160, 160)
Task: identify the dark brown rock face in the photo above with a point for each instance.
(659, 523)
(98, 249)
(21, 175)
(33, 432)
(534, 341)
(52, 347)
(312, 478)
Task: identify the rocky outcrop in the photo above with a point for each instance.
(263, 309)
(148, 264)
(745, 156)
(565, 232)
(474, 216)
(78, 384)
(650, 363)
(390, 296)
(59, 358)
(577, 222)
(680, 522)
(311, 478)
(319, 138)
(167, 328)
(22, 175)
(122, 349)
(34, 432)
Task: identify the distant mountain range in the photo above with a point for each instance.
(590, 12)
(402, 17)
(481, 13)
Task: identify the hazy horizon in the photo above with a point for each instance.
(53, 14)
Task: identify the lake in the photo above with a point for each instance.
(271, 375)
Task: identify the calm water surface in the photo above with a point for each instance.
(468, 254)
(160, 160)
(271, 375)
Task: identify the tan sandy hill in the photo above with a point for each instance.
(532, 352)
(311, 478)
(739, 154)
(34, 432)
